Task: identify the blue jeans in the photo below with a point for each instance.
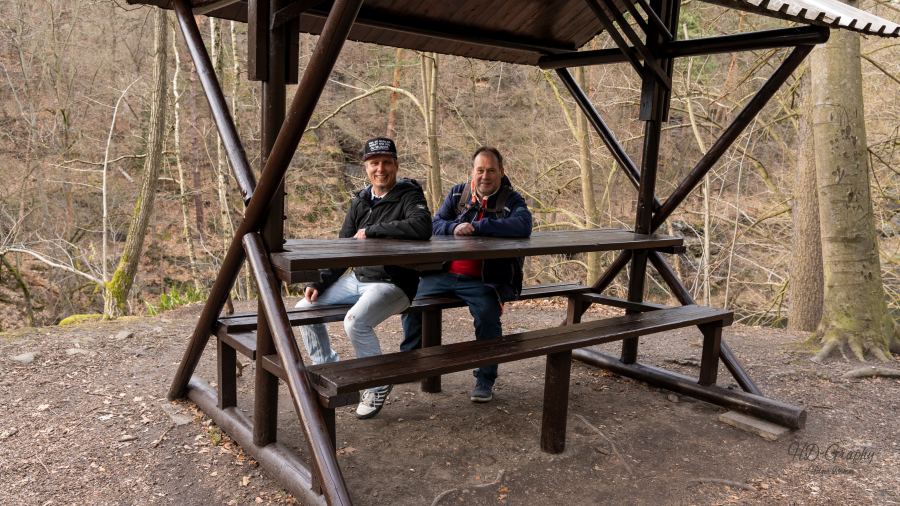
(483, 304)
(372, 304)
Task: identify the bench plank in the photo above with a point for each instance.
(247, 321)
(239, 330)
(350, 375)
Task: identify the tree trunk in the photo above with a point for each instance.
(591, 215)
(235, 92)
(805, 310)
(26, 293)
(429, 89)
(707, 219)
(855, 312)
(197, 178)
(395, 97)
(182, 185)
(226, 228)
(119, 286)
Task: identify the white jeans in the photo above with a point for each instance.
(372, 304)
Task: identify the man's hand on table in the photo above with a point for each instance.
(464, 229)
(360, 234)
(311, 294)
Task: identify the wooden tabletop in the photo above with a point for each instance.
(311, 254)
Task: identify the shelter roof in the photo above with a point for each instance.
(515, 31)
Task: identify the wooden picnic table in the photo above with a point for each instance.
(304, 255)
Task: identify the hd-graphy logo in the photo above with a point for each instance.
(842, 457)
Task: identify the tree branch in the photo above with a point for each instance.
(52, 263)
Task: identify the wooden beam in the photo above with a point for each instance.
(258, 40)
(761, 407)
(731, 133)
(373, 17)
(234, 149)
(304, 397)
(292, 11)
(321, 63)
(209, 8)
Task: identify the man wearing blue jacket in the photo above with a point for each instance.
(484, 206)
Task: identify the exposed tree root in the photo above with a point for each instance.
(862, 344)
(871, 371)
(447, 493)
(608, 440)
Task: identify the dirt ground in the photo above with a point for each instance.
(86, 421)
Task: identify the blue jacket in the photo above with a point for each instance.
(514, 220)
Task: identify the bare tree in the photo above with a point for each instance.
(805, 310)
(391, 129)
(226, 227)
(429, 97)
(591, 213)
(119, 286)
(182, 184)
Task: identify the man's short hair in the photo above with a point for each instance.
(491, 150)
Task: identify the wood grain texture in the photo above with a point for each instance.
(356, 374)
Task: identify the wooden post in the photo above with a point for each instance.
(265, 420)
(331, 425)
(574, 309)
(303, 396)
(321, 62)
(431, 336)
(709, 362)
(556, 402)
(227, 362)
(654, 109)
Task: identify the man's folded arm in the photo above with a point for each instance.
(416, 225)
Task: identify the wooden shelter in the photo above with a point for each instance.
(546, 33)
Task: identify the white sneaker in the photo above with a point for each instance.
(372, 401)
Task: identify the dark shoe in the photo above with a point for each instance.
(482, 392)
(372, 401)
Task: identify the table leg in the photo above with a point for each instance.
(227, 363)
(330, 424)
(556, 402)
(431, 336)
(709, 361)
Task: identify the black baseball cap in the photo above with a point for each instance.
(379, 146)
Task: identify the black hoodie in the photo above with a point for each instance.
(401, 214)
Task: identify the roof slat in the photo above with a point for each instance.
(831, 13)
(521, 31)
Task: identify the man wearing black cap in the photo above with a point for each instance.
(391, 209)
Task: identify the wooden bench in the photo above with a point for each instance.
(338, 382)
(237, 333)
(239, 330)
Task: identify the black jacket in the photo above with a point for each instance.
(401, 214)
(504, 275)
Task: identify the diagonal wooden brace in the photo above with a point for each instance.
(322, 61)
(234, 149)
(731, 133)
(684, 297)
(606, 21)
(603, 130)
(654, 19)
(303, 395)
(650, 60)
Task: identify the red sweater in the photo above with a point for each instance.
(471, 268)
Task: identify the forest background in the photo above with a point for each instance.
(75, 115)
